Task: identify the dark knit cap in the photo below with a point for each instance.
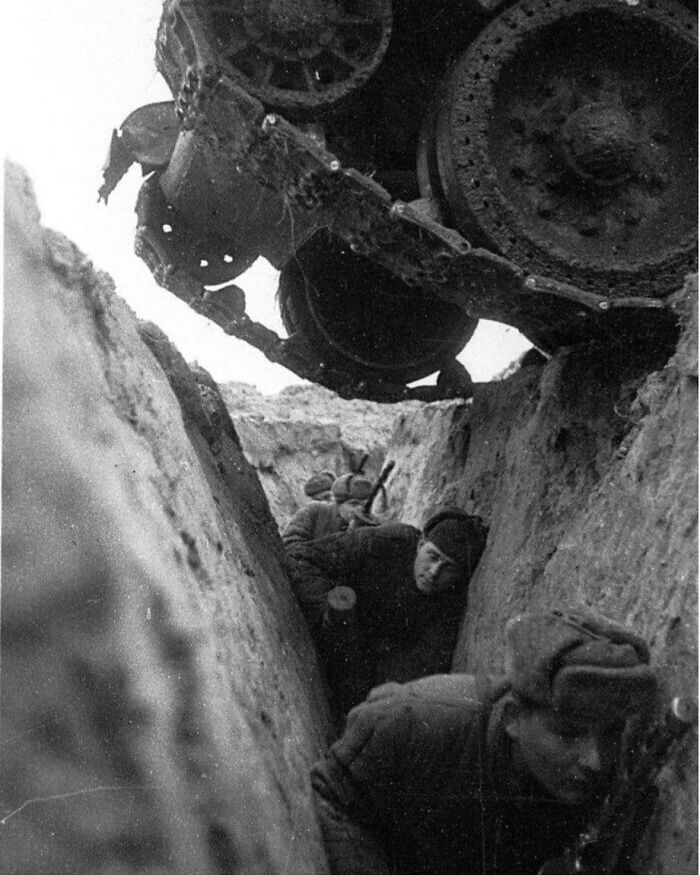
(581, 663)
(460, 536)
(318, 483)
(352, 486)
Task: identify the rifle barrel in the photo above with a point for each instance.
(381, 480)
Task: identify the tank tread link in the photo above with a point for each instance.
(252, 158)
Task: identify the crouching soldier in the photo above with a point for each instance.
(457, 774)
(320, 518)
(384, 603)
(318, 487)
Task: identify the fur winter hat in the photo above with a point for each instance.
(318, 483)
(352, 486)
(460, 536)
(579, 662)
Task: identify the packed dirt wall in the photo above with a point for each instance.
(585, 470)
(161, 701)
(305, 429)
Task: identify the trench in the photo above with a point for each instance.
(162, 701)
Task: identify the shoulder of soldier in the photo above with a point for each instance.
(322, 508)
(438, 703)
(304, 519)
(313, 512)
(312, 509)
(388, 535)
(418, 726)
(456, 690)
(372, 543)
(420, 722)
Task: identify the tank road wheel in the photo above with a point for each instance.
(300, 55)
(167, 242)
(566, 140)
(358, 317)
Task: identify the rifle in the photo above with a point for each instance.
(612, 836)
(359, 468)
(381, 480)
(363, 516)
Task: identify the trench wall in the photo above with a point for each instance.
(160, 700)
(161, 703)
(304, 429)
(585, 470)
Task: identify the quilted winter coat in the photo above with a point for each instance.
(423, 780)
(400, 633)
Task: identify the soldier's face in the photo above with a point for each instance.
(573, 758)
(324, 496)
(347, 508)
(433, 570)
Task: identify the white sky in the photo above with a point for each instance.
(73, 71)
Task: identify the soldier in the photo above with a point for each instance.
(320, 518)
(318, 487)
(458, 774)
(408, 590)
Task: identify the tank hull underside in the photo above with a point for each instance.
(261, 184)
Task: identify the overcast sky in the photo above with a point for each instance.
(73, 71)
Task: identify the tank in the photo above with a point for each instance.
(413, 167)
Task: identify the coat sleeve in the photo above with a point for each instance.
(315, 567)
(430, 652)
(355, 785)
(381, 779)
(426, 650)
(300, 527)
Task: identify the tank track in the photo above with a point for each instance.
(400, 236)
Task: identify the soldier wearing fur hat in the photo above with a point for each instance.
(459, 774)
(384, 603)
(320, 518)
(318, 487)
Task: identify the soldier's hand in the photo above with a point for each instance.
(360, 519)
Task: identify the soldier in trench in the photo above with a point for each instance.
(384, 603)
(320, 518)
(463, 774)
(318, 487)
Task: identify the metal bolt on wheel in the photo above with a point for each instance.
(565, 140)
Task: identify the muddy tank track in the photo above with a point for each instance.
(223, 125)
